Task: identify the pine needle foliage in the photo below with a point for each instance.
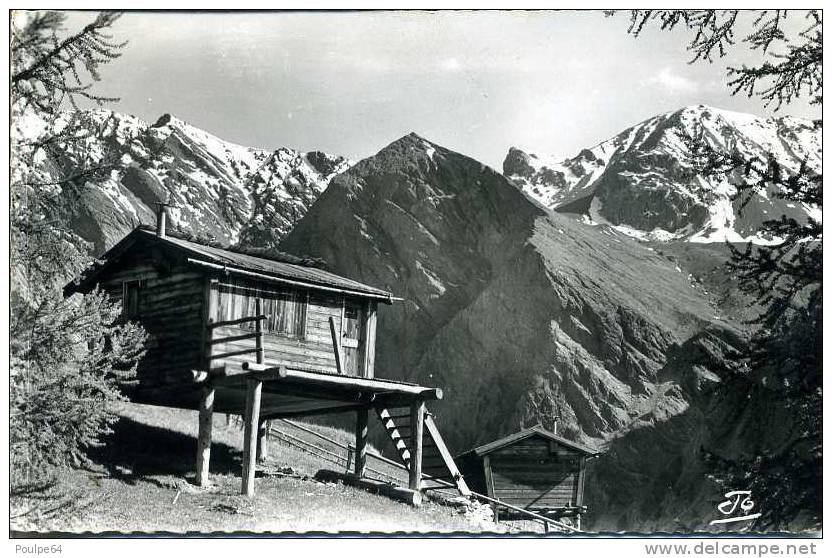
(70, 358)
(785, 279)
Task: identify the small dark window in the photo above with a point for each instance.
(351, 312)
(131, 298)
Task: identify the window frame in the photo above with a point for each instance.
(348, 305)
(128, 286)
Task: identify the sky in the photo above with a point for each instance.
(349, 83)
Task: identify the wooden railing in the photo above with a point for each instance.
(237, 321)
(211, 340)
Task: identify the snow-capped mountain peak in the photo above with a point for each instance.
(643, 182)
(218, 189)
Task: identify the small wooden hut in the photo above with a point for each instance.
(260, 337)
(532, 469)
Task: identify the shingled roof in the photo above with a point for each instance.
(234, 263)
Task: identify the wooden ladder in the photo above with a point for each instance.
(437, 463)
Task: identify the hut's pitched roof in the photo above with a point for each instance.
(522, 435)
(284, 270)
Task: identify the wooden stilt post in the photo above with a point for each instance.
(417, 425)
(206, 401)
(251, 418)
(361, 442)
(203, 443)
(262, 440)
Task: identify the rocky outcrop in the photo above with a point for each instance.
(518, 163)
(431, 224)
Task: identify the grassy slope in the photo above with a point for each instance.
(149, 459)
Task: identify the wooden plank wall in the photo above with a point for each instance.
(170, 311)
(320, 308)
(314, 350)
(531, 473)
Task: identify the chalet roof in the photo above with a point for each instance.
(522, 435)
(234, 263)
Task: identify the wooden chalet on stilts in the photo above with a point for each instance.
(263, 338)
(533, 469)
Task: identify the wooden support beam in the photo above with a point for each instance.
(417, 423)
(361, 420)
(262, 425)
(349, 458)
(445, 455)
(412, 497)
(336, 345)
(251, 418)
(302, 377)
(579, 486)
(258, 331)
(262, 440)
(203, 442)
(489, 486)
(313, 412)
(208, 304)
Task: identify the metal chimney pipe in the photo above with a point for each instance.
(161, 218)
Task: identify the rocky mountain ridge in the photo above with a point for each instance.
(646, 183)
(218, 190)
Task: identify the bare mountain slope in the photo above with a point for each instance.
(520, 314)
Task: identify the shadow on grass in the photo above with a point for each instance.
(39, 488)
(135, 451)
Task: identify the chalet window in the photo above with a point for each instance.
(285, 311)
(131, 298)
